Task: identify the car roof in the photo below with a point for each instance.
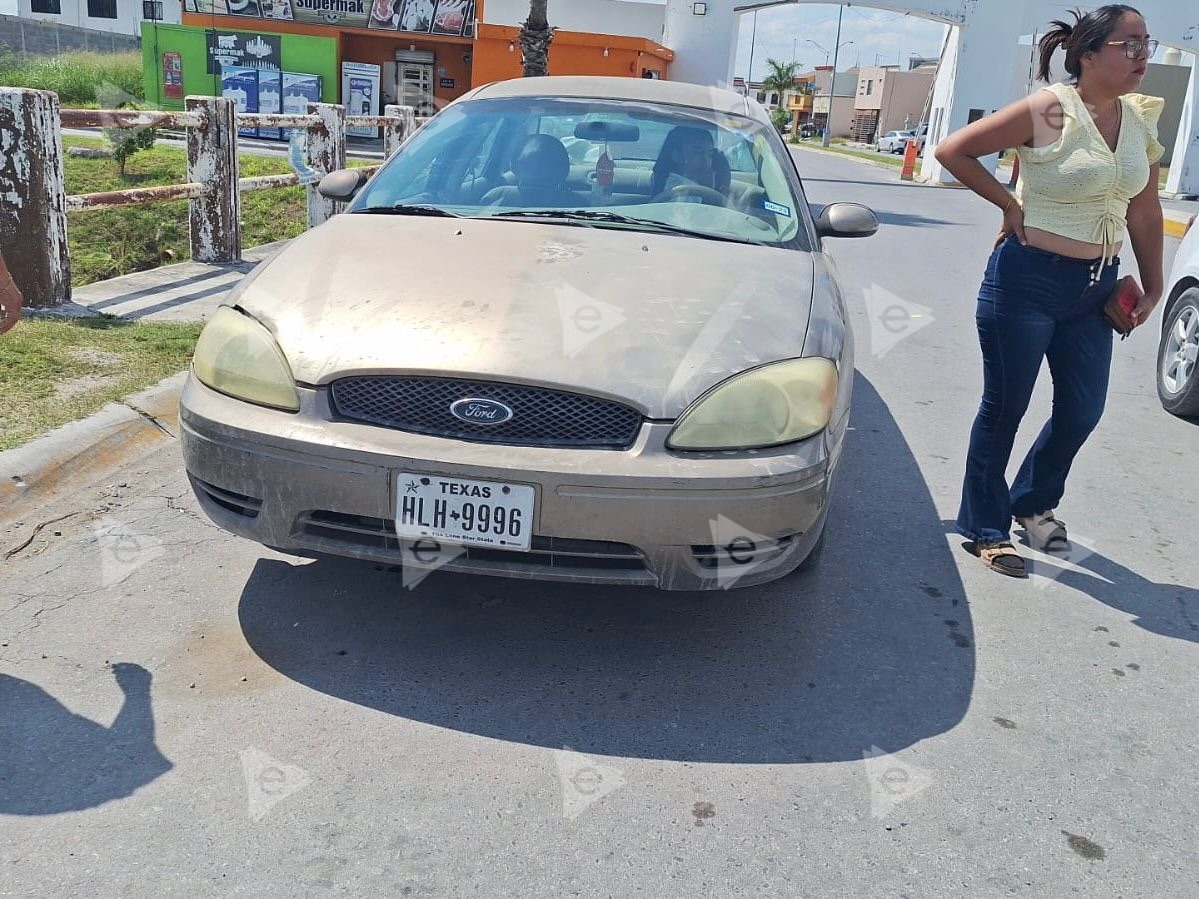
(677, 93)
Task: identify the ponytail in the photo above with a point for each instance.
(1056, 37)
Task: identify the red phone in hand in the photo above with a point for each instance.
(1125, 297)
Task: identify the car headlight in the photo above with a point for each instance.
(778, 403)
(238, 356)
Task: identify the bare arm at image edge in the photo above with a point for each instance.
(10, 298)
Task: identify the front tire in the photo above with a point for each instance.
(1178, 358)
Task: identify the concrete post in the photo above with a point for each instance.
(33, 212)
(326, 153)
(215, 219)
(706, 44)
(966, 86)
(1183, 178)
(396, 134)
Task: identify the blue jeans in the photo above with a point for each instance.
(1034, 305)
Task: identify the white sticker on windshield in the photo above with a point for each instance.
(776, 208)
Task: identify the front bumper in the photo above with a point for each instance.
(306, 484)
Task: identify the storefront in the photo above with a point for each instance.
(368, 53)
(178, 60)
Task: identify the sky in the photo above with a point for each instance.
(886, 36)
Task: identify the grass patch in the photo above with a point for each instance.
(105, 243)
(77, 76)
(885, 158)
(56, 370)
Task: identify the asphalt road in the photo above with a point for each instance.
(182, 713)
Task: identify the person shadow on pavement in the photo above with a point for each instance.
(53, 761)
(1171, 610)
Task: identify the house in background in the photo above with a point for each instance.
(833, 100)
(890, 99)
(118, 16)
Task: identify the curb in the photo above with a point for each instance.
(856, 157)
(1174, 227)
(67, 458)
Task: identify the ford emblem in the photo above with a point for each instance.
(481, 412)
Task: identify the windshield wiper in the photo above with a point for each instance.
(411, 209)
(584, 216)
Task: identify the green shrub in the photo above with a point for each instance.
(127, 141)
(75, 76)
(780, 117)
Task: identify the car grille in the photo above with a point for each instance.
(544, 552)
(543, 417)
(237, 503)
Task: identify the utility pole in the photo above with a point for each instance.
(753, 39)
(832, 98)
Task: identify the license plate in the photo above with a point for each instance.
(471, 513)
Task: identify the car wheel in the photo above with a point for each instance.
(1178, 358)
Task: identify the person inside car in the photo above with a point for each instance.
(541, 167)
(691, 169)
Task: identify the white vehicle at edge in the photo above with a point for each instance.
(1178, 352)
(894, 141)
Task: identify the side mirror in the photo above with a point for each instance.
(342, 184)
(846, 220)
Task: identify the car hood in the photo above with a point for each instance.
(649, 319)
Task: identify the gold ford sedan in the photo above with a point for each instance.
(575, 329)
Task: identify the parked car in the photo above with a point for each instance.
(894, 141)
(499, 361)
(921, 132)
(1178, 352)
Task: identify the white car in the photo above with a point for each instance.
(1178, 353)
(894, 141)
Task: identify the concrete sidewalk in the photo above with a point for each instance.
(187, 291)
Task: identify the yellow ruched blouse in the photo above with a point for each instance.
(1078, 186)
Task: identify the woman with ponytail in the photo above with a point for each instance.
(1089, 155)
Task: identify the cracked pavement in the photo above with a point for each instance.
(183, 713)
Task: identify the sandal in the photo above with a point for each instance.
(1000, 557)
(1045, 532)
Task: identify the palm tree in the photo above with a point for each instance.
(535, 38)
(781, 76)
(780, 79)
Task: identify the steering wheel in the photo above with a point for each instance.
(707, 195)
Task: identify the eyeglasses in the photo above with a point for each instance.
(1134, 49)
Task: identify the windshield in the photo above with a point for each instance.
(602, 163)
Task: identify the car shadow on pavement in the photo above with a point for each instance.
(52, 760)
(871, 652)
(908, 219)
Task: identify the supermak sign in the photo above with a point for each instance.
(351, 13)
